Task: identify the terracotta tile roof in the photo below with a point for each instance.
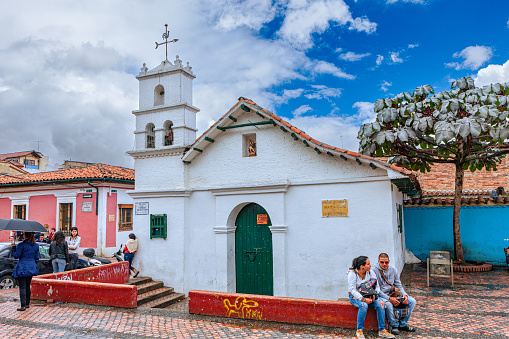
(303, 136)
(97, 171)
(17, 166)
(16, 155)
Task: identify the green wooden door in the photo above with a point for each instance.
(253, 251)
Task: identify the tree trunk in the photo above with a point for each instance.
(458, 189)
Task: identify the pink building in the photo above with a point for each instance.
(93, 198)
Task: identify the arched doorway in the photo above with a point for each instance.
(253, 251)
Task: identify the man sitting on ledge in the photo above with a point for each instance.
(387, 278)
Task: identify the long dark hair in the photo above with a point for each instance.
(74, 228)
(59, 238)
(359, 261)
(132, 236)
(30, 236)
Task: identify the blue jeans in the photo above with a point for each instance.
(129, 258)
(58, 265)
(363, 310)
(74, 260)
(389, 310)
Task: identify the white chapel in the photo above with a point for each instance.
(253, 205)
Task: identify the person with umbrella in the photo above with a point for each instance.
(28, 254)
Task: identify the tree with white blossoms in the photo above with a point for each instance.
(466, 127)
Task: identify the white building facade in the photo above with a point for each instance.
(253, 205)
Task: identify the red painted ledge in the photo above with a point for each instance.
(102, 285)
(278, 309)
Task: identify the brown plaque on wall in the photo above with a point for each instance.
(262, 219)
(334, 208)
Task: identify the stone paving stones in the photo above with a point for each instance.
(478, 307)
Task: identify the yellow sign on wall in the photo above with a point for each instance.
(334, 208)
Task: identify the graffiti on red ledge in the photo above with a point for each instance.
(243, 308)
(113, 273)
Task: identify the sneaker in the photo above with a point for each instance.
(407, 329)
(395, 331)
(360, 335)
(385, 334)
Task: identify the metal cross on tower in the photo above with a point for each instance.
(166, 35)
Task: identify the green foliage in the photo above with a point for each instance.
(466, 126)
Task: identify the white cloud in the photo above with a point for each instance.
(363, 25)
(492, 74)
(304, 18)
(413, 45)
(249, 13)
(365, 113)
(323, 67)
(337, 130)
(351, 56)
(384, 86)
(332, 129)
(323, 92)
(379, 60)
(475, 57)
(287, 95)
(395, 57)
(411, 1)
(302, 110)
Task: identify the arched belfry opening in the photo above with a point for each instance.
(168, 133)
(159, 95)
(151, 137)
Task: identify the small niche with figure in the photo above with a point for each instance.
(249, 145)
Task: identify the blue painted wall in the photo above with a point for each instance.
(483, 230)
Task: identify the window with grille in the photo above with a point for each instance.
(158, 226)
(151, 138)
(20, 212)
(125, 217)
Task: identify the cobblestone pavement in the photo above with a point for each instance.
(478, 307)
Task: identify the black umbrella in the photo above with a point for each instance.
(21, 225)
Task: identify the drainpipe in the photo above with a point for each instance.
(96, 196)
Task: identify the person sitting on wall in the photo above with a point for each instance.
(363, 292)
(388, 277)
(41, 238)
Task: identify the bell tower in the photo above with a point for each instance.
(166, 118)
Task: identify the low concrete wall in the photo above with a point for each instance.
(279, 309)
(100, 285)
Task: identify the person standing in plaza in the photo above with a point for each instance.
(359, 276)
(51, 234)
(388, 277)
(28, 254)
(74, 243)
(59, 252)
(129, 249)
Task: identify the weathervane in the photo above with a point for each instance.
(166, 35)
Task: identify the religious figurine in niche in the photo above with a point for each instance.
(168, 137)
(251, 148)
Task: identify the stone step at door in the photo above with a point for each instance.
(153, 294)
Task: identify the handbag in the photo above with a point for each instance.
(368, 288)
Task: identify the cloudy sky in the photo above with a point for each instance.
(67, 68)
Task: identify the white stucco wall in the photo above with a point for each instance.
(311, 253)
